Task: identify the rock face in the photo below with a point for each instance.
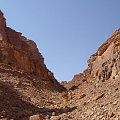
(27, 88)
(96, 91)
(29, 91)
(102, 65)
(22, 54)
(105, 63)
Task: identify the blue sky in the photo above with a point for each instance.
(67, 32)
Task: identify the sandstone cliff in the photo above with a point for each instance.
(27, 87)
(102, 65)
(29, 91)
(96, 91)
(22, 54)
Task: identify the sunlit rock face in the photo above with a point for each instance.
(105, 63)
(97, 89)
(102, 65)
(22, 53)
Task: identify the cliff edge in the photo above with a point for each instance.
(22, 54)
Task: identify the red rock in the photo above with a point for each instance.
(102, 65)
(22, 53)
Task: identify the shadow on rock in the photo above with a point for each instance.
(12, 105)
(57, 111)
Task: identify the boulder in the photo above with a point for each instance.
(36, 117)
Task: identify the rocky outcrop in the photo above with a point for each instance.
(102, 65)
(28, 90)
(105, 63)
(96, 91)
(22, 54)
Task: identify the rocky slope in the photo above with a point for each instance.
(96, 91)
(102, 65)
(26, 85)
(23, 55)
(29, 91)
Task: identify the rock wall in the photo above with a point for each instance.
(103, 65)
(22, 54)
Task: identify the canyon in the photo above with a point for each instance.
(29, 91)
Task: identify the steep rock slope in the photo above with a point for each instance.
(102, 65)
(96, 91)
(27, 87)
(23, 55)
